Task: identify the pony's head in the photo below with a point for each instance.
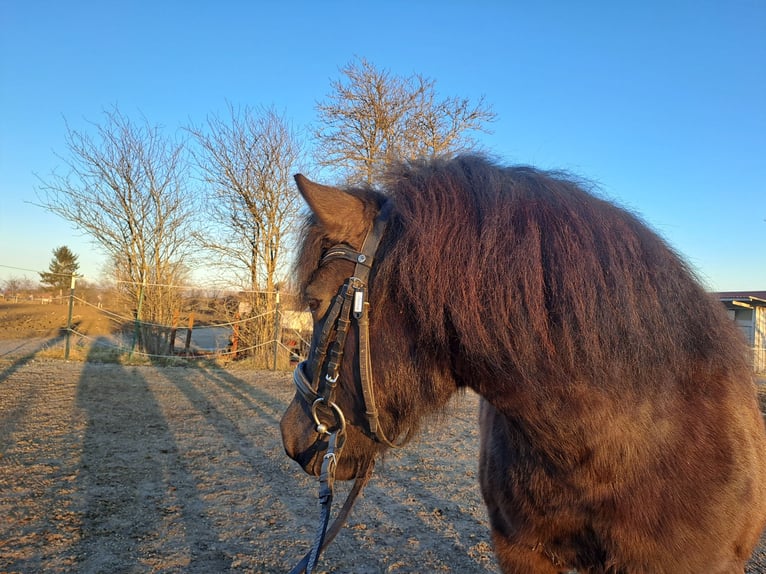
(337, 389)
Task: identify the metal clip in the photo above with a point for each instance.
(331, 455)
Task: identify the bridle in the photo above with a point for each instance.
(349, 306)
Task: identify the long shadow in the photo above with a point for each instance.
(134, 496)
(25, 352)
(230, 407)
(22, 355)
(263, 406)
(266, 405)
(447, 511)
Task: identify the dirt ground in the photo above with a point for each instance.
(114, 468)
(107, 468)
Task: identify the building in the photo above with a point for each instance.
(748, 310)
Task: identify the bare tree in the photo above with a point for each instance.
(372, 118)
(13, 287)
(248, 160)
(126, 188)
(438, 128)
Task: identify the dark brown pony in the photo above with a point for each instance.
(619, 425)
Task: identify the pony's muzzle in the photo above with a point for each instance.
(300, 438)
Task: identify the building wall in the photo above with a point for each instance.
(744, 320)
(752, 322)
(759, 339)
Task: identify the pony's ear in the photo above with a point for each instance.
(340, 214)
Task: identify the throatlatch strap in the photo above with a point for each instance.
(365, 376)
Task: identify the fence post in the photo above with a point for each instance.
(189, 334)
(69, 316)
(173, 329)
(137, 330)
(235, 337)
(276, 329)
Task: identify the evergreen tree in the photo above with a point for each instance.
(63, 265)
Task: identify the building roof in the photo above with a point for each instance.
(757, 298)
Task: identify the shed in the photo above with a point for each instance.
(748, 310)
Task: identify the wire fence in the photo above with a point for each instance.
(226, 326)
(198, 332)
(194, 339)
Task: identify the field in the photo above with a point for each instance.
(116, 468)
(20, 321)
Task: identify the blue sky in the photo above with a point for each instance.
(662, 103)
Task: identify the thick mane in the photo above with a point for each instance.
(528, 274)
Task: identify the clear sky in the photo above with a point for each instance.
(662, 103)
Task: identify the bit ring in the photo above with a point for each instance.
(321, 427)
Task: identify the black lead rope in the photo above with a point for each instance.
(326, 482)
(326, 486)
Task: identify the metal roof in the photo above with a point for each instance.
(755, 298)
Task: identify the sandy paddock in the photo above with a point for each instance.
(108, 468)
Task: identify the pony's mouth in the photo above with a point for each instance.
(311, 462)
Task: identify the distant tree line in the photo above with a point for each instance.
(220, 193)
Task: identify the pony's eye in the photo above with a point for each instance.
(313, 304)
